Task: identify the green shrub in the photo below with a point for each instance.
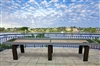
(12, 39)
(46, 45)
(32, 35)
(97, 40)
(5, 46)
(90, 41)
(40, 36)
(28, 36)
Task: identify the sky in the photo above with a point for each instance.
(49, 13)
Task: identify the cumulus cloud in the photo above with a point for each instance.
(54, 0)
(73, 0)
(32, 0)
(64, 0)
(32, 8)
(50, 14)
(45, 3)
(80, 0)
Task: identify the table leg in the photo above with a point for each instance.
(86, 53)
(49, 52)
(14, 52)
(80, 49)
(22, 48)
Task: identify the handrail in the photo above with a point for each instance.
(6, 37)
(55, 33)
(68, 35)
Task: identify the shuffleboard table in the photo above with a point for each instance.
(83, 43)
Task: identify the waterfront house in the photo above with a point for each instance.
(98, 30)
(68, 29)
(75, 30)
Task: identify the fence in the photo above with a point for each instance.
(6, 37)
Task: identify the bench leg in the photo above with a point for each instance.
(14, 52)
(52, 48)
(22, 48)
(86, 53)
(80, 49)
(49, 52)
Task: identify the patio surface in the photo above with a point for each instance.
(39, 57)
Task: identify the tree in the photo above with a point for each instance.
(61, 29)
(8, 29)
(73, 27)
(2, 29)
(91, 30)
(24, 29)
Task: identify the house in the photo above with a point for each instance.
(98, 30)
(75, 30)
(55, 29)
(68, 29)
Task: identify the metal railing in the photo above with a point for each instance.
(6, 37)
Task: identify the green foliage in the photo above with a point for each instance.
(28, 36)
(8, 29)
(2, 29)
(24, 28)
(32, 35)
(73, 27)
(5, 46)
(40, 36)
(90, 41)
(80, 28)
(91, 30)
(12, 39)
(46, 45)
(0, 45)
(97, 40)
(61, 29)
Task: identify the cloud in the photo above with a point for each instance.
(32, 8)
(92, 0)
(61, 6)
(50, 14)
(64, 0)
(81, 1)
(73, 0)
(54, 0)
(32, 0)
(45, 3)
